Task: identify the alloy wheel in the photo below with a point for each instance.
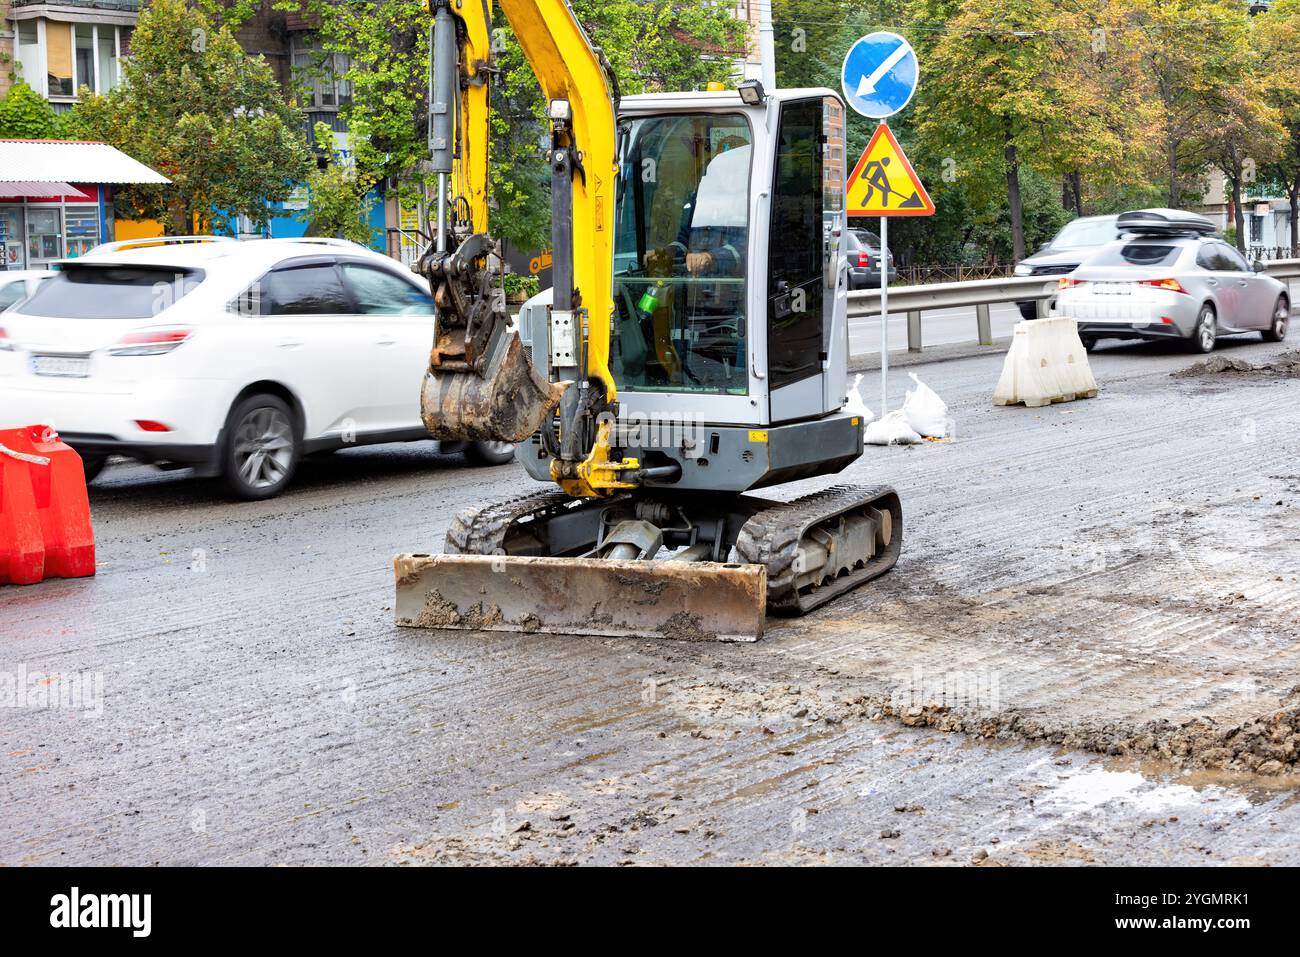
(263, 448)
(1205, 331)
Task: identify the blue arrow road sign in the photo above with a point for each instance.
(879, 74)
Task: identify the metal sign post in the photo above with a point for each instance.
(884, 315)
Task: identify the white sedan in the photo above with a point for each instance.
(235, 358)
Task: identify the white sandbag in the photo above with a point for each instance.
(891, 429)
(925, 411)
(1046, 363)
(854, 405)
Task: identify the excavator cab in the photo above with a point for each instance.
(693, 348)
(730, 335)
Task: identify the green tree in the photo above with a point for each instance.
(1195, 54)
(195, 107)
(26, 115)
(1102, 127)
(1008, 88)
(339, 197)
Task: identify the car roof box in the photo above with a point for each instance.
(1164, 222)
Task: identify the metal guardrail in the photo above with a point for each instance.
(915, 275)
(916, 300)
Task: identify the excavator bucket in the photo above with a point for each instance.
(505, 399)
(698, 601)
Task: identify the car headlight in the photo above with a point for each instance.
(1024, 270)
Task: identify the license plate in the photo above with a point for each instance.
(68, 367)
(1114, 288)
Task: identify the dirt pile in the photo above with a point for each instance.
(1268, 744)
(1286, 365)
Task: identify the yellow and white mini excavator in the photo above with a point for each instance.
(693, 348)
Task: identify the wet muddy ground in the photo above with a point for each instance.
(1087, 654)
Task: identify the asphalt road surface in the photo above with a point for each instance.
(1086, 654)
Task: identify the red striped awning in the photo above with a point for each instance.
(36, 190)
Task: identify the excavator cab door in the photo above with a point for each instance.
(804, 309)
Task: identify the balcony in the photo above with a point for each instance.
(111, 6)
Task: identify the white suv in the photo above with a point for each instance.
(236, 358)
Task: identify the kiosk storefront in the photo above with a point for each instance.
(56, 198)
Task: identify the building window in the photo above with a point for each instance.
(34, 235)
(1256, 229)
(84, 51)
(43, 234)
(106, 57)
(321, 75)
(11, 237)
(29, 52)
(58, 59)
(81, 227)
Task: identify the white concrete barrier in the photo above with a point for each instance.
(1046, 363)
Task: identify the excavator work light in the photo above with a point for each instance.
(560, 111)
(751, 92)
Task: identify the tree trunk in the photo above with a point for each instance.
(1013, 200)
(1293, 194)
(1072, 192)
(180, 219)
(1239, 217)
(1171, 155)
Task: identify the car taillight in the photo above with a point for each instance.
(1065, 282)
(864, 259)
(6, 344)
(152, 425)
(1173, 285)
(150, 342)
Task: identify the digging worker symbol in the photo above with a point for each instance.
(875, 177)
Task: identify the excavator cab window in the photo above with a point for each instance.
(681, 245)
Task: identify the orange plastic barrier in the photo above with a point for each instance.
(45, 529)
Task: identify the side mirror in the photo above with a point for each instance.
(1257, 266)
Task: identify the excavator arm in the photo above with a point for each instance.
(481, 383)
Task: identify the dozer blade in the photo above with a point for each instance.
(699, 601)
(505, 400)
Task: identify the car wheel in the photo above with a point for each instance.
(1204, 333)
(490, 453)
(1028, 310)
(1276, 331)
(262, 448)
(92, 465)
(1088, 344)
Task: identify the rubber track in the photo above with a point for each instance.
(482, 530)
(771, 537)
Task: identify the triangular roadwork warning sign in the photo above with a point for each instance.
(884, 183)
